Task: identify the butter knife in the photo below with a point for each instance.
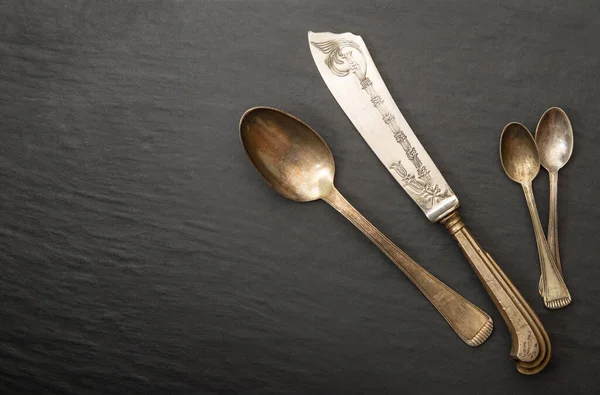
(350, 74)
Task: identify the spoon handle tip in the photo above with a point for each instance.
(483, 334)
(558, 303)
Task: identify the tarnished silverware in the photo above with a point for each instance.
(554, 138)
(521, 163)
(350, 74)
(296, 162)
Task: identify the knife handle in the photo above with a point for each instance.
(469, 322)
(530, 342)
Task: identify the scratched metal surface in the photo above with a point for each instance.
(141, 253)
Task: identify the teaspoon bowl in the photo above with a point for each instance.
(554, 138)
(518, 153)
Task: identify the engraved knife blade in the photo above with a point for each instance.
(348, 70)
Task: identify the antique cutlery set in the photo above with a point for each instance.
(298, 164)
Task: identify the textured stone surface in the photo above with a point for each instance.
(141, 253)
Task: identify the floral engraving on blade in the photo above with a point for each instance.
(426, 194)
(344, 57)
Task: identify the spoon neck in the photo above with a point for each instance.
(335, 199)
(529, 197)
(527, 188)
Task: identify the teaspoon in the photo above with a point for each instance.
(521, 162)
(296, 162)
(554, 138)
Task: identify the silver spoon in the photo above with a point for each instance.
(554, 138)
(296, 162)
(521, 162)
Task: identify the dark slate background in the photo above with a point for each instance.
(140, 252)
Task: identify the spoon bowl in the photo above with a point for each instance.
(554, 138)
(288, 153)
(518, 153)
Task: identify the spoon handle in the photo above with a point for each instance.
(553, 218)
(554, 290)
(530, 344)
(469, 322)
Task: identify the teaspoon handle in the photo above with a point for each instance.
(553, 218)
(554, 290)
(469, 322)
